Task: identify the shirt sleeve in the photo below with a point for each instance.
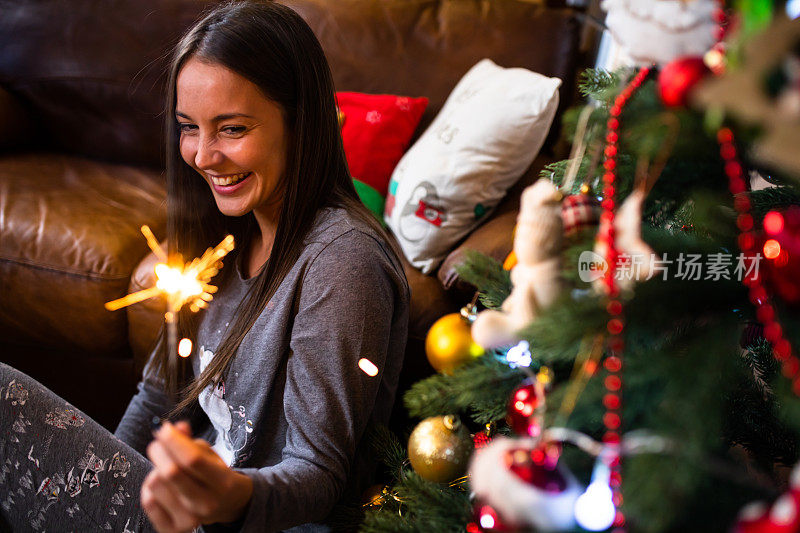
(150, 402)
(345, 313)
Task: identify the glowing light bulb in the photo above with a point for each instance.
(185, 348)
(487, 521)
(793, 8)
(594, 509)
(772, 249)
(773, 222)
(519, 355)
(487, 517)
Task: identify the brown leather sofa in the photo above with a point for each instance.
(81, 87)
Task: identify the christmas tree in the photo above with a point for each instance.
(639, 362)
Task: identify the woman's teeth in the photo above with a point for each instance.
(228, 180)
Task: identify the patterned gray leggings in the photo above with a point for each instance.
(59, 469)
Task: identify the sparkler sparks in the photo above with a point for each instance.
(181, 284)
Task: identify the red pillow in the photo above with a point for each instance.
(376, 132)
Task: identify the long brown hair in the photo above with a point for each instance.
(273, 47)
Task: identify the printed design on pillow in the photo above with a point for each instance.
(430, 213)
(483, 139)
(61, 418)
(466, 94)
(20, 424)
(373, 117)
(423, 210)
(92, 466)
(16, 393)
(120, 465)
(229, 422)
(391, 198)
(403, 103)
(446, 133)
(49, 489)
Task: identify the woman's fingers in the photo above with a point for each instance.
(166, 511)
(192, 494)
(158, 515)
(183, 427)
(197, 460)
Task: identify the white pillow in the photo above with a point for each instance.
(489, 131)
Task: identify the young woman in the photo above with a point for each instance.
(273, 394)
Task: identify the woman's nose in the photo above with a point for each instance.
(208, 155)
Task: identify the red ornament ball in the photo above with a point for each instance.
(481, 440)
(523, 416)
(677, 79)
(578, 212)
(538, 468)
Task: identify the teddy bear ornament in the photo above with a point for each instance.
(536, 277)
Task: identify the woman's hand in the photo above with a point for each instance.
(190, 485)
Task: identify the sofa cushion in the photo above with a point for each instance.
(376, 131)
(69, 240)
(485, 137)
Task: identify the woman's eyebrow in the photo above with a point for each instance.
(224, 116)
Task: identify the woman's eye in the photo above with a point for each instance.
(233, 130)
(186, 128)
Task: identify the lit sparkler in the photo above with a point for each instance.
(181, 284)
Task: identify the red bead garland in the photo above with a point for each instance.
(616, 324)
(765, 312)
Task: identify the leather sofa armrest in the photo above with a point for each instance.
(495, 237)
(16, 126)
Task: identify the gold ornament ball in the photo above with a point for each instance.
(439, 448)
(449, 344)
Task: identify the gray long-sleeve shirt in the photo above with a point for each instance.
(295, 404)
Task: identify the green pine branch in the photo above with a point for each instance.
(488, 275)
(480, 389)
(765, 200)
(420, 506)
(600, 84)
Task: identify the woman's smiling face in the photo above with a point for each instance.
(233, 136)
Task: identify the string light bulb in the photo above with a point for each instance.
(594, 509)
(519, 355)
